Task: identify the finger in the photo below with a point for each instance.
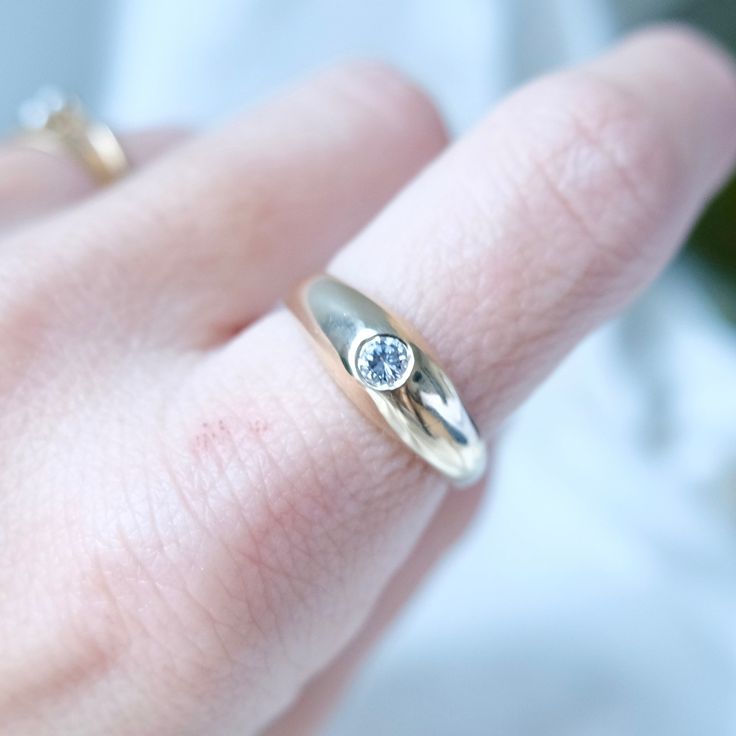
(35, 183)
(542, 222)
(213, 235)
(320, 695)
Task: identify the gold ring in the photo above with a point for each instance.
(54, 123)
(385, 368)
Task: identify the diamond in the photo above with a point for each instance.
(37, 112)
(383, 362)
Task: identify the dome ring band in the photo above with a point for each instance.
(386, 370)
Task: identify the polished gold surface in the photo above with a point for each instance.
(425, 411)
(55, 123)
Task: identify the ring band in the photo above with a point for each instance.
(53, 122)
(379, 363)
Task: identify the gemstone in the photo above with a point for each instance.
(36, 112)
(383, 362)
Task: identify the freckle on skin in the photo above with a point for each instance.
(202, 441)
(258, 427)
(214, 434)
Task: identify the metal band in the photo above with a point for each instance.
(56, 123)
(379, 363)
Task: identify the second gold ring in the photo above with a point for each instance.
(57, 123)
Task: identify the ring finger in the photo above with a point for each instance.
(37, 183)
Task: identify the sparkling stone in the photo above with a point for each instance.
(383, 362)
(36, 112)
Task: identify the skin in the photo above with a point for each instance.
(198, 532)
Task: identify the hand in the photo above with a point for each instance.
(199, 533)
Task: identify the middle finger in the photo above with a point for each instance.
(207, 238)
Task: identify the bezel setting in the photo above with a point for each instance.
(383, 362)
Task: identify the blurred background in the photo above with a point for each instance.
(596, 593)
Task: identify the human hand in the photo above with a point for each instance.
(199, 533)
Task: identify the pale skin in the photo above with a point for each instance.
(198, 532)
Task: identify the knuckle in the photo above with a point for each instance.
(387, 97)
(584, 176)
(602, 169)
